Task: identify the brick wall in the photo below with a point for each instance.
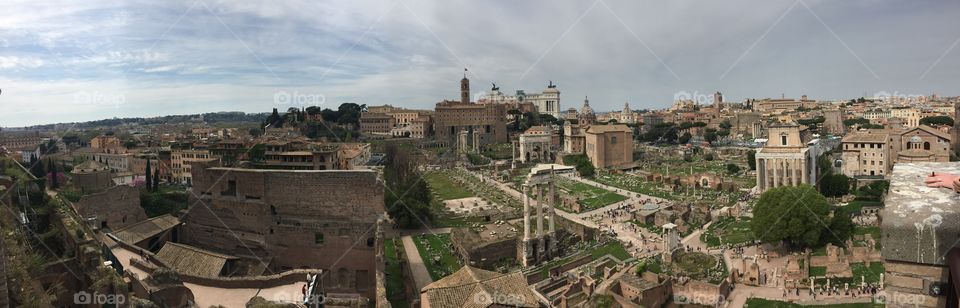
(291, 219)
(115, 208)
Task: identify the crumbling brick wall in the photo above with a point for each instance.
(116, 207)
(291, 219)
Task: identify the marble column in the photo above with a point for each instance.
(552, 202)
(803, 171)
(539, 191)
(776, 173)
(526, 213)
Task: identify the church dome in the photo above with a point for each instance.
(586, 107)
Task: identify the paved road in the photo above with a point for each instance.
(421, 277)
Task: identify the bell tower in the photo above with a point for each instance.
(465, 88)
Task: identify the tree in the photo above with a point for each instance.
(708, 157)
(834, 185)
(54, 180)
(406, 195)
(685, 138)
(857, 121)
(794, 214)
(156, 179)
(710, 136)
(733, 168)
(149, 179)
(937, 120)
(841, 228)
(752, 159)
(725, 125)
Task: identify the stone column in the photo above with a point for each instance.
(803, 171)
(526, 212)
(761, 175)
(776, 173)
(539, 191)
(793, 171)
(550, 199)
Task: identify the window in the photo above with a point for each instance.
(613, 140)
(783, 140)
(318, 238)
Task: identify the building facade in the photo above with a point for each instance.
(786, 159)
(609, 145)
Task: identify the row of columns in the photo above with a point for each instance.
(783, 170)
(539, 191)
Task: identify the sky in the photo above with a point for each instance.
(65, 61)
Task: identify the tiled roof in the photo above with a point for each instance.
(192, 260)
(475, 288)
(143, 230)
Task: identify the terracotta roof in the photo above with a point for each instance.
(192, 260)
(931, 130)
(143, 230)
(473, 288)
(866, 137)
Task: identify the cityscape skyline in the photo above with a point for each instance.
(79, 62)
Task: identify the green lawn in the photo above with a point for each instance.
(591, 197)
(439, 258)
(394, 274)
(765, 303)
(818, 271)
(613, 248)
(444, 188)
(728, 231)
(870, 273)
(873, 231)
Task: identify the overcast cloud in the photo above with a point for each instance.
(85, 60)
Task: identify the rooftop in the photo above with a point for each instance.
(143, 230)
(192, 260)
(469, 285)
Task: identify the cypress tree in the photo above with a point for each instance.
(156, 179)
(54, 181)
(148, 178)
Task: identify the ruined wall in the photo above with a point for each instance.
(114, 208)
(322, 219)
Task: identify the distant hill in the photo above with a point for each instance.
(208, 118)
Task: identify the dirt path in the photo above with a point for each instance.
(421, 277)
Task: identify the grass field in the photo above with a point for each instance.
(444, 188)
(439, 258)
(765, 303)
(818, 271)
(873, 231)
(728, 231)
(870, 273)
(591, 197)
(394, 274)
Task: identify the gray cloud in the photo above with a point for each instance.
(198, 56)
